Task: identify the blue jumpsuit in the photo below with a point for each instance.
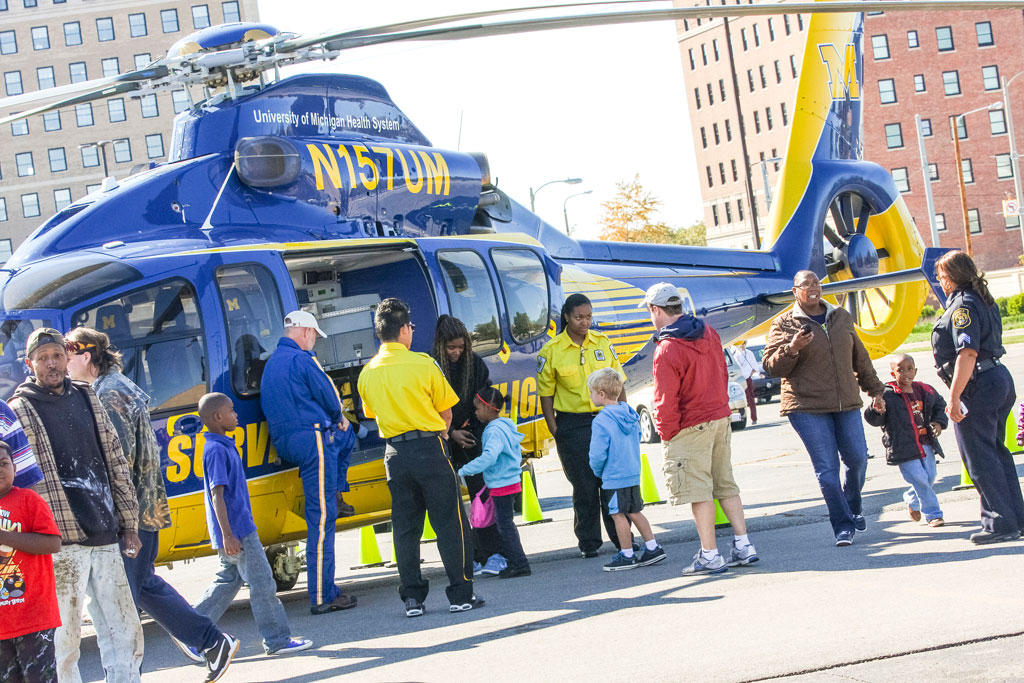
(970, 323)
(303, 411)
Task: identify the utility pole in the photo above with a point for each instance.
(933, 228)
(751, 199)
(960, 180)
(1014, 159)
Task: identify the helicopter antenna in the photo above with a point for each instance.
(458, 144)
(207, 226)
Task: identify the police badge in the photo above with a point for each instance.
(961, 318)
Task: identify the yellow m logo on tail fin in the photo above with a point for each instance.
(842, 70)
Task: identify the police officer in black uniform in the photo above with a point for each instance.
(967, 343)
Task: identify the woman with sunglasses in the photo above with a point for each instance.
(563, 366)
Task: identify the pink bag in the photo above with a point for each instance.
(481, 512)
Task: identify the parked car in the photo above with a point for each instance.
(643, 400)
(765, 387)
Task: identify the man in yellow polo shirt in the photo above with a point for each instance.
(412, 401)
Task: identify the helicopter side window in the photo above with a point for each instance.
(525, 287)
(252, 311)
(472, 298)
(159, 331)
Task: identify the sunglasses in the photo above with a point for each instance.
(78, 348)
(412, 326)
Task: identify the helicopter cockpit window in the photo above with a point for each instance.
(472, 297)
(66, 282)
(159, 331)
(525, 286)
(252, 309)
(13, 336)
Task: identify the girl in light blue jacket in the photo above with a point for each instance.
(501, 464)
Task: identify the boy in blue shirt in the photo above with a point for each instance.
(233, 533)
(615, 459)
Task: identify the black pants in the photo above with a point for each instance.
(421, 479)
(485, 540)
(982, 440)
(572, 438)
(510, 543)
(29, 658)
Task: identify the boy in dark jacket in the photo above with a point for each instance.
(913, 417)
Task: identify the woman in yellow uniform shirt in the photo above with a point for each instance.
(563, 366)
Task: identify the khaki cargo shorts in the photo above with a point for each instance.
(698, 463)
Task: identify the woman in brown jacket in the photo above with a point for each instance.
(814, 348)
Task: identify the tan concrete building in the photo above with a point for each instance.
(46, 161)
(741, 77)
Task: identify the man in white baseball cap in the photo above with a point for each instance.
(307, 428)
(661, 294)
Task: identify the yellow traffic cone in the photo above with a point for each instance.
(428, 531)
(648, 489)
(965, 478)
(369, 553)
(1011, 433)
(394, 552)
(720, 519)
(532, 514)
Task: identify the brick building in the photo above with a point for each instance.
(939, 65)
(741, 75)
(47, 161)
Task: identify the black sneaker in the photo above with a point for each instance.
(986, 537)
(513, 572)
(588, 554)
(218, 657)
(859, 523)
(620, 562)
(473, 603)
(650, 557)
(344, 509)
(844, 538)
(341, 602)
(413, 608)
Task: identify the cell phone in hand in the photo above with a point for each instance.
(806, 328)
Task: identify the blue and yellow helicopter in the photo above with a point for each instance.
(316, 191)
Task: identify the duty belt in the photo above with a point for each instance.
(409, 436)
(945, 371)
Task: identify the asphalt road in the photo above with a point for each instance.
(905, 602)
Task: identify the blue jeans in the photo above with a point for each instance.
(920, 474)
(162, 602)
(829, 438)
(249, 566)
(508, 535)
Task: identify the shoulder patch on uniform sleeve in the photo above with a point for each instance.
(541, 362)
(961, 318)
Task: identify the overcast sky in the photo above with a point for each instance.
(600, 104)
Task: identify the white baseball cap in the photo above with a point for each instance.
(303, 319)
(661, 294)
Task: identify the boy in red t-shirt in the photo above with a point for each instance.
(28, 595)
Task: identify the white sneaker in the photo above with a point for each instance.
(700, 565)
(742, 556)
(495, 563)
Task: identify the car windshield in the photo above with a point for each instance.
(13, 335)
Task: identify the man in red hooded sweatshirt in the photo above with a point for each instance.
(691, 413)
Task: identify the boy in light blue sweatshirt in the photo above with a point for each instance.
(615, 459)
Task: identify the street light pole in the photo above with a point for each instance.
(565, 212)
(1014, 161)
(934, 229)
(955, 131)
(102, 144)
(767, 188)
(534, 193)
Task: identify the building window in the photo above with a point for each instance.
(3, 209)
(768, 117)
(51, 121)
(58, 160)
(110, 66)
(1012, 222)
(933, 172)
(115, 110)
(12, 83)
(714, 129)
(739, 208)
(778, 72)
(785, 26)
(764, 81)
(45, 77)
(703, 137)
(735, 171)
(926, 128)
(944, 36)
(940, 222)
(792, 65)
(696, 97)
(30, 3)
(137, 25)
(40, 38)
(974, 220)
(704, 53)
(90, 156)
(750, 79)
(23, 160)
(693, 64)
(997, 121)
(78, 72)
(83, 114)
(771, 29)
(8, 43)
(200, 16)
(951, 82)
(149, 106)
(72, 33)
(92, 187)
(880, 46)
(990, 77)
(728, 212)
(757, 37)
(728, 131)
(179, 99)
(984, 31)
(711, 95)
(961, 126)
(714, 213)
(19, 127)
(1004, 169)
(155, 146)
(743, 38)
(912, 41)
(887, 91)
(711, 178)
(775, 164)
(893, 135)
(968, 169)
(899, 176)
(142, 60)
(30, 205)
(714, 48)
(231, 12)
(105, 29)
(169, 20)
(122, 151)
(785, 114)
(721, 88)
(919, 83)
(800, 22)
(757, 122)
(61, 198)
(721, 171)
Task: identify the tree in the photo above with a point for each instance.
(628, 218)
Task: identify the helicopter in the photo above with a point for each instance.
(316, 191)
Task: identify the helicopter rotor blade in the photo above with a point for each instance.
(98, 94)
